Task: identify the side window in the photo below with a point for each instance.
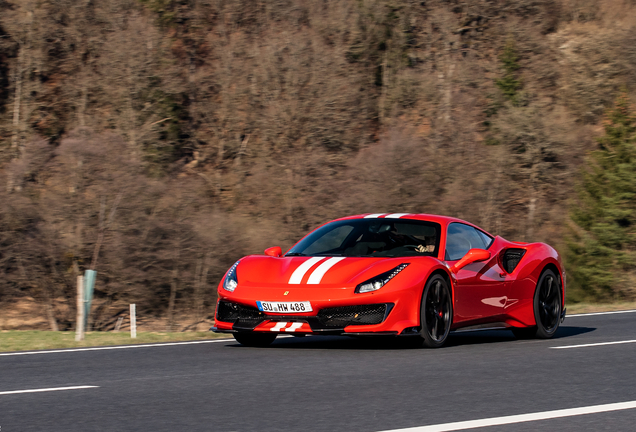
(462, 238)
(486, 238)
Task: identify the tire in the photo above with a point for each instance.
(436, 312)
(547, 309)
(547, 305)
(260, 340)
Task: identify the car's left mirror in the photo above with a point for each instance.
(275, 251)
(473, 255)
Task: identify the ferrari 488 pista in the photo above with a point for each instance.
(396, 274)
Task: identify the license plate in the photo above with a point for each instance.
(284, 307)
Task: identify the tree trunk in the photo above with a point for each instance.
(81, 112)
(51, 317)
(174, 286)
(17, 100)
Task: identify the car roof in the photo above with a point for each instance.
(417, 216)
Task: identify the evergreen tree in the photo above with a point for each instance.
(509, 84)
(601, 250)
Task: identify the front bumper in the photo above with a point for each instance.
(351, 320)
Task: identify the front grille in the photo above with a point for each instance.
(352, 315)
(244, 316)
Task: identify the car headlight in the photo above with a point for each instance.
(231, 280)
(379, 281)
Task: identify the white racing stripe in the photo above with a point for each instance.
(46, 390)
(374, 215)
(297, 275)
(594, 344)
(396, 215)
(316, 275)
(522, 418)
(278, 327)
(295, 326)
(113, 347)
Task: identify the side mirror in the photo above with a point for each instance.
(473, 255)
(275, 251)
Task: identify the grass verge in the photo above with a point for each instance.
(577, 308)
(30, 340)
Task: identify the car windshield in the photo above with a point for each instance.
(371, 238)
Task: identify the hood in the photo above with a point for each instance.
(265, 271)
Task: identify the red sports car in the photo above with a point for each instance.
(400, 274)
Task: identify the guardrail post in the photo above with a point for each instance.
(79, 326)
(133, 321)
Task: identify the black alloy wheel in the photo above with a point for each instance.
(260, 340)
(436, 312)
(547, 305)
(547, 308)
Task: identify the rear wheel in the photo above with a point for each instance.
(547, 308)
(547, 305)
(255, 339)
(436, 313)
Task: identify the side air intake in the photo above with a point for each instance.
(511, 259)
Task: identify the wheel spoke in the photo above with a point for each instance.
(548, 282)
(434, 330)
(437, 290)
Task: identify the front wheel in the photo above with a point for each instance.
(436, 313)
(255, 339)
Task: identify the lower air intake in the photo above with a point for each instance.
(236, 313)
(352, 315)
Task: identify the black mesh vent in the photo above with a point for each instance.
(352, 315)
(511, 258)
(236, 313)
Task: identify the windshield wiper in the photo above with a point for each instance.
(294, 254)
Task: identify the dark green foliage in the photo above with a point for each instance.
(601, 251)
(509, 84)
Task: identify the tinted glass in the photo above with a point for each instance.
(486, 238)
(462, 238)
(371, 238)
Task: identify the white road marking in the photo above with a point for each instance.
(295, 326)
(594, 344)
(297, 275)
(374, 215)
(278, 327)
(600, 313)
(521, 418)
(396, 215)
(46, 390)
(316, 275)
(114, 347)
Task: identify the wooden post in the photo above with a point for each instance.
(79, 326)
(133, 321)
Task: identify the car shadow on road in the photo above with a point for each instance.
(567, 331)
(503, 335)
(476, 337)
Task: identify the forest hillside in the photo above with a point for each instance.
(157, 141)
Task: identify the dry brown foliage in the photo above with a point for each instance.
(212, 129)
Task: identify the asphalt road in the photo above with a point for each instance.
(329, 384)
